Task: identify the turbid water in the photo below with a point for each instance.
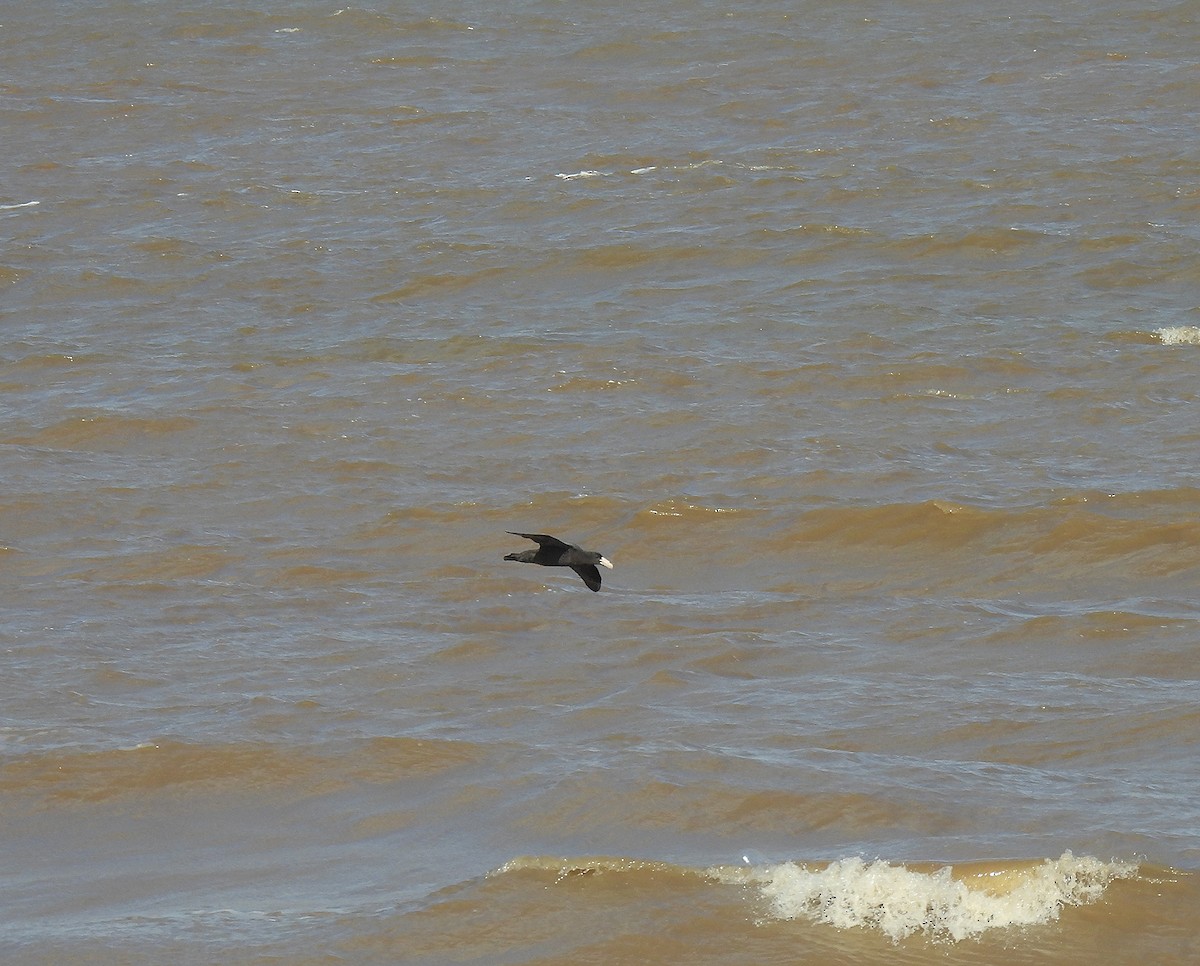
(863, 339)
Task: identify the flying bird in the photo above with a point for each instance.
(552, 552)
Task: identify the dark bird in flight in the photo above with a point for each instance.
(552, 552)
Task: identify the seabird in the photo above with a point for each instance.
(552, 552)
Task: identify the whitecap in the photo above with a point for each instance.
(580, 174)
(944, 904)
(1179, 335)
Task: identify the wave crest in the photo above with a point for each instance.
(1179, 335)
(944, 903)
(941, 902)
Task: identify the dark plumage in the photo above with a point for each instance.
(552, 552)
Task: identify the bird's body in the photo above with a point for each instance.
(552, 552)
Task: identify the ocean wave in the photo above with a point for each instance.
(1171, 335)
(688, 510)
(73, 777)
(947, 903)
(944, 903)
(1179, 335)
(939, 522)
(108, 431)
(1156, 530)
(625, 166)
(438, 283)
(562, 868)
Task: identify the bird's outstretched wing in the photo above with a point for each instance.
(543, 540)
(590, 575)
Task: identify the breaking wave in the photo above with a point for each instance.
(944, 903)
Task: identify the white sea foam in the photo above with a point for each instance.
(648, 169)
(944, 904)
(1179, 335)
